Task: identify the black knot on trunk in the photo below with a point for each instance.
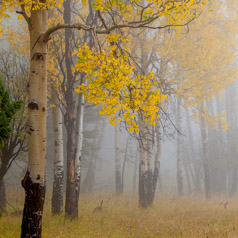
(26, 181)
(33, 106)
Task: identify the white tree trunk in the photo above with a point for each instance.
(79, 142)
(57, 198)
(34, 180)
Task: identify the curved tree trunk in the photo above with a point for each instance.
(57, 197)
(34, 180)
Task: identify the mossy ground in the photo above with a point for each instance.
(121, 217)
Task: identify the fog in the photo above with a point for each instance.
(136, 106)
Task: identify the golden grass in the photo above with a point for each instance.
(121, 217)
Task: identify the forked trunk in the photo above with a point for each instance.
(57, 197)
(34, 180)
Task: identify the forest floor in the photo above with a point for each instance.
(121, 217)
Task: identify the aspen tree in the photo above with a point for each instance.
(57, 195)
(35, 14)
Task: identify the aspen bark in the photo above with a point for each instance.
(57, 197)
(147, 176)
(179, 149)
(118, 178)
(34, 180)
(79, 143)
(205, 155)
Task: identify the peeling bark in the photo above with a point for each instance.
(33, 208)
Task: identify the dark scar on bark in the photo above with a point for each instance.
(33, 106)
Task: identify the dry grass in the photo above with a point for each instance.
(121, 217)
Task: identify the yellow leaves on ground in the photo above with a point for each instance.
(115, 84)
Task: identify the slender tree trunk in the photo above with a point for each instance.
(89, 177)
(71, 205)
(3, 199)
(79, 143)
(147, 178)
(34, 180)
(205, 155)
(196, 163)
(223, 145)
(143, 166)
(156, 163)
(179, 149)
(57, 197)
(149, 153)
(124, 166)
(185, 165)
(118, 178)
(135, 170)
(234, 181)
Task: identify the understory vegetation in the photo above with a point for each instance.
(169, 216)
